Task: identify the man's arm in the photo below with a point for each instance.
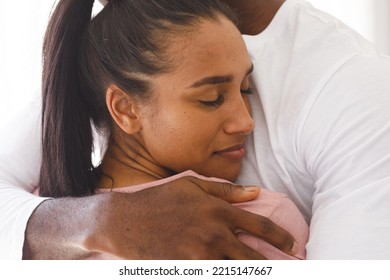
(179, 220)
(344, 146)
(349, 159)
(176, 221)
(19, 171)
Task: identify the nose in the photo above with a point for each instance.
(240, 120)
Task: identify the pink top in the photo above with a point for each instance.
(276, 206)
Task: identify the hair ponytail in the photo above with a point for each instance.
(125, 44)
(67, 140)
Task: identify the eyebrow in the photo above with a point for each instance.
(213, 80)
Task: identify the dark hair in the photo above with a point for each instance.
(125, 45)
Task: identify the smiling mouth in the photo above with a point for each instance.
(236, 152)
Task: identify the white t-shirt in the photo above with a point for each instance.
(322, 111)
(322, 114)
(19, 171)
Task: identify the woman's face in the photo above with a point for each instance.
(200, 118)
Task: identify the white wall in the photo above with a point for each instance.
(22, 25)
(371, 18)
(22, 28)
(381, 17)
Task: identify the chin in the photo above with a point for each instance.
(228, 172)
(230, 175)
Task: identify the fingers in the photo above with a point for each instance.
(265, 229)
(227, 191)
(257, 225)
(239, 251)
(224, 244)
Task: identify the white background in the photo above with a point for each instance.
(280, 270)
(22, 25)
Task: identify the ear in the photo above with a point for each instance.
(123, 109)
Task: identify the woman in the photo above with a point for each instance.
(166, 82)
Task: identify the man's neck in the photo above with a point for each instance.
(255, 15)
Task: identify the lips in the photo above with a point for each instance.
(236, 152)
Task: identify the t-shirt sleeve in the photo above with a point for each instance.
(19, 171)
(345, 144)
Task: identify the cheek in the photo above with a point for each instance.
(180, 139)
(165, 131)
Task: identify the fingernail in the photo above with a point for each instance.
(251, 188)
(295, 248)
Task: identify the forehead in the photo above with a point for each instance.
(211, 47)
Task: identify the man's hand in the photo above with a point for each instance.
(179, 220)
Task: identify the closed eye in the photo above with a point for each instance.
(213, 103)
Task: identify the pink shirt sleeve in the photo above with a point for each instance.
(276, 206)
(282, 211)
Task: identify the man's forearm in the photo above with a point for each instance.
(58, 229)
(142, 225)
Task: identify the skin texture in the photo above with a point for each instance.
(112, 227)
(199, 117)
(254, 15)
(77, 228)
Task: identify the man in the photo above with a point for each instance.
(321, 108)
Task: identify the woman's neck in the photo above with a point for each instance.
(124, 165)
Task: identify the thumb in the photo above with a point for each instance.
(227, 191)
